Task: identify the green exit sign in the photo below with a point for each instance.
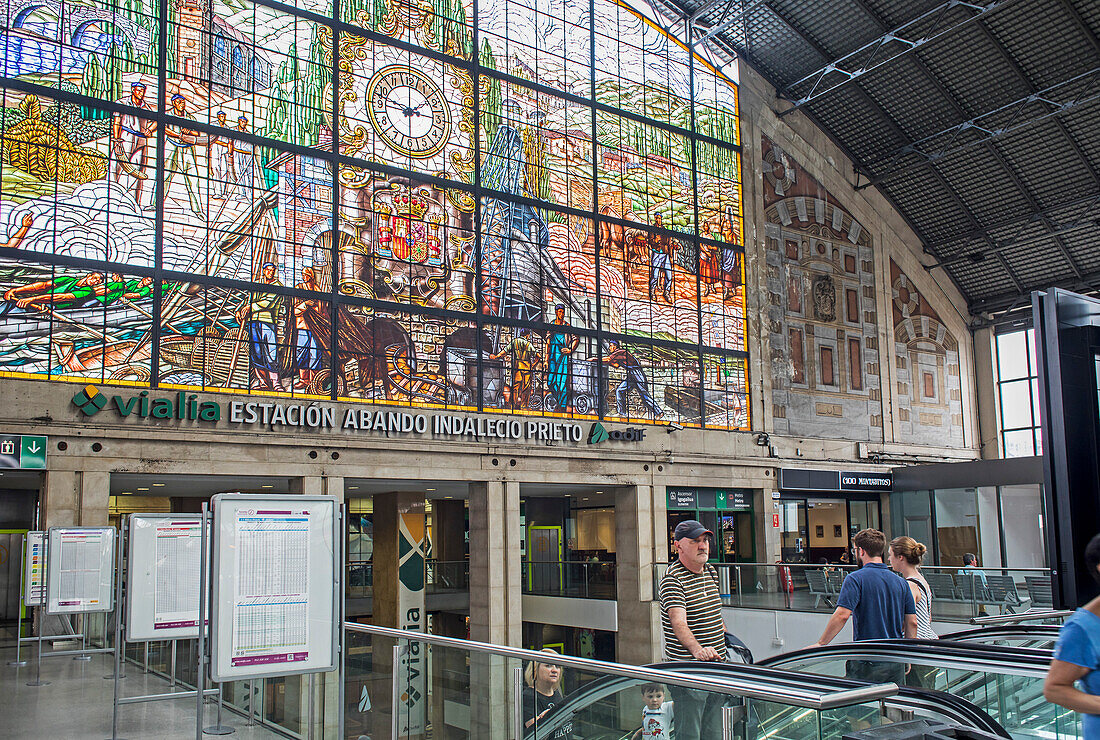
(23, 451)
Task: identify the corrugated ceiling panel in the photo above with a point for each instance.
(1038, 264)
(778, 51)
(1043, 40)
(1084, 245)
(1046, 163)
(932, 209)
(982, 183)
(922, 111)
(1084, 125)
(969, 65)
(837, 25)
(1022, 231)
(896, 13)
(982, 279)
(856, 120)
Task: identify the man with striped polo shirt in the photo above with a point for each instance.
(691, 613)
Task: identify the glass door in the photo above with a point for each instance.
(792, 538)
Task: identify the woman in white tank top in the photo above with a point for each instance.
(905, 558)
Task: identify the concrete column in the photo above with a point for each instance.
(985, 376)
(640, 523)
(496, 614)
(95, 498)
(61, 504)
(399, 599)
(308, 485)
(333, 485)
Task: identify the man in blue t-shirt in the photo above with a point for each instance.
(880, 603)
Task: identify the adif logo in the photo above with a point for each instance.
(89, 400)
(597, 434)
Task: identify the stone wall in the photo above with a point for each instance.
(850, 337)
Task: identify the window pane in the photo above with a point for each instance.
(1019, 443)
(1012, 356)
(1016, 404)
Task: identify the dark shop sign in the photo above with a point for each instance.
(801, 479)
(721, 499)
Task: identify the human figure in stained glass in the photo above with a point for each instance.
(660, 263)
(244, 164)
(635, 380)
(731, 269)
(181, 144)
(559, 354)
(524, 361)
(221, 161)
(262, 315)
(63, 291)
(130, 136)
(308, 354)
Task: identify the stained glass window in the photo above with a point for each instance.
(534, 208)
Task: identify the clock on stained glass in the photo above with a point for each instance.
(408, 111)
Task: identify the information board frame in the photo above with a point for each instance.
(246, 524)
(55, 553)
(34, 539)
(141, 576)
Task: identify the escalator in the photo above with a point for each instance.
(1006, 682)
(1042, 636)
(609, 708)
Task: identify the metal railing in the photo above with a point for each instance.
(583, 579)
(446, 575)
(439, 576)
(763, 687)
(958, 594)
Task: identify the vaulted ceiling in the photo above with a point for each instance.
(978, 119)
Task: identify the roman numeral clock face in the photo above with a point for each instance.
(408, 111)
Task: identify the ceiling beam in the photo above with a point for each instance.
(930, 26)
(1057, 99)
(1089, 283)
(1087, 218)
(1020, 221)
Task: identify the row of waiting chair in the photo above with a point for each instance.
(824, 585)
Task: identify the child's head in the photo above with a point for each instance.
(654, 695)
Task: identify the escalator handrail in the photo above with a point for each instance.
(755, 684)
(1006, 632)
(944, 653)
(954, 707)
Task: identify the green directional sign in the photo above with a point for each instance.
(32, 452)
(23, 451)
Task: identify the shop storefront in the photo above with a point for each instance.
(821, 510)
(728, 512)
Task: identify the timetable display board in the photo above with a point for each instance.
(163, 584)
(276, 586)
(34, 569)
(80, 569)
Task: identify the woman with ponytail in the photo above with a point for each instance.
(905, 558)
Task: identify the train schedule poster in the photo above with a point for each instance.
(80, 569)
(164, 562)
(34, 569)
(276, 585)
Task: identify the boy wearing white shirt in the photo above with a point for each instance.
(656, 714)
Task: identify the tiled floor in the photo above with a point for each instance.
(77, 703)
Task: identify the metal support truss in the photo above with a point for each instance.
(1085, 216)
(1053, 101)
(921, 31)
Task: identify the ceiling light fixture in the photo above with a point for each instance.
(143, 489)
(267, 486)
(158, 485)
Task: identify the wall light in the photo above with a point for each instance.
(673, 426)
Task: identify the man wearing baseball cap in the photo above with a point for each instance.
(691, 613)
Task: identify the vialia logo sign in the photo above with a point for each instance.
(183, 406)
